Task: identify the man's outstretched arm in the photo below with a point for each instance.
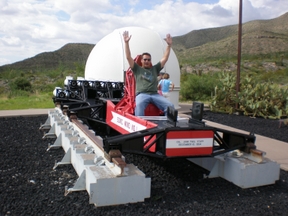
(127, 38)
(167, 51)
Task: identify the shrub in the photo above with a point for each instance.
(21, 83)
(254, 98)
(195, 87)
(2, 90)
(224, 99)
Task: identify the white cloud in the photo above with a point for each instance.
(11, 41)
(34, 26)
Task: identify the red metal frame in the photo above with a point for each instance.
(126, 123)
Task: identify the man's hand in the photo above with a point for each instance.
(165, 57)
(168, 39)
(126, 36)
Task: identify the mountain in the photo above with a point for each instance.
(258, 37)
(65, 57)
(259, 28)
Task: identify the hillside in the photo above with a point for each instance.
(260, 37)
(200, 37)
(65, 57)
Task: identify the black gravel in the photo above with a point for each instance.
(265, 127)
(29, 185)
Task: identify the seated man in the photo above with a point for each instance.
(146, 78)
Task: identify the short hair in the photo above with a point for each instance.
(166, 76)
(146, 53)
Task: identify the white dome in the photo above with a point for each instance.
(107, 59)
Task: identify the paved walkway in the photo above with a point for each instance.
(26, 112)
(275, 150)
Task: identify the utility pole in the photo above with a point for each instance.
(239, 51)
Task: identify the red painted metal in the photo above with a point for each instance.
(125, 122)
(127, 103)
(189, 142)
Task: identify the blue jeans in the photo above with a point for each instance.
(142, 101)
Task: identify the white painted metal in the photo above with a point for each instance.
(107, 59)
(240, 170)
(103, 180)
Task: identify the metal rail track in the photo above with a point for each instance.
(107, 178)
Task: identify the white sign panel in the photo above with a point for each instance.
(189, 143)
(126, 123)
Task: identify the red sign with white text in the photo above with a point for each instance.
(189, 143)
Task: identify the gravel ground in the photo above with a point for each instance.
(29, 185)
(265, 127)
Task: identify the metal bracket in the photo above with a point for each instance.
(65, 160)
(57, 143)
(80, 184)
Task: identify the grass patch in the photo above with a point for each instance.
(39, 101)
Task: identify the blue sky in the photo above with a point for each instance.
(31, 27)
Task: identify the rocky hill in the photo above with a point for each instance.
(66, 57)
(258, 37)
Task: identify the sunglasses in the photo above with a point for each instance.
(146, 59)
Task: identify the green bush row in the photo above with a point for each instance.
(262, 99)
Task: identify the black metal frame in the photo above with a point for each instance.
(91, 109)
(134, 142)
